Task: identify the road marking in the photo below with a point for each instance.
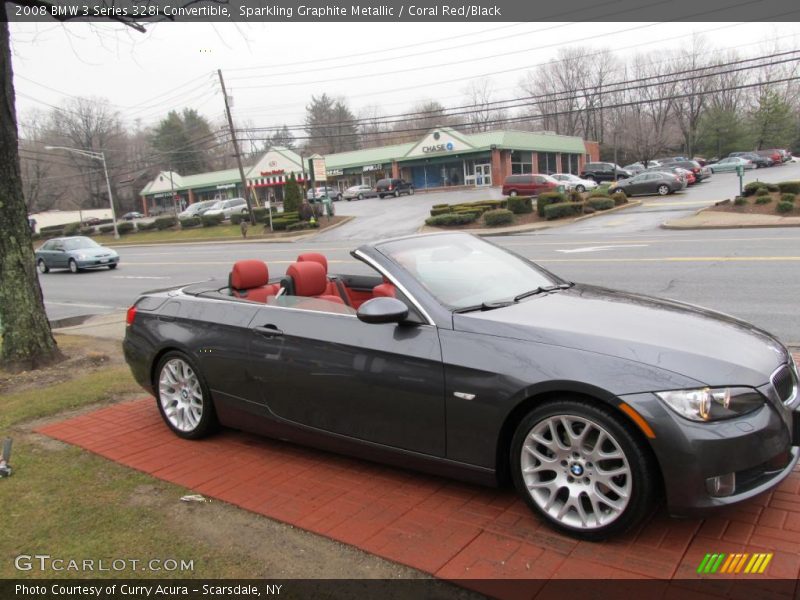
(686, 203)
(676, 259)
(598, 248)
(138, 277)
(82, 305)
(658, 241)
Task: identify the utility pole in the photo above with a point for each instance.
(236, 150)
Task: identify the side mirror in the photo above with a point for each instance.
(382, 310)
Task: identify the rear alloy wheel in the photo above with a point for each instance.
(582, 469)
(183, 398)
(42, 266)
(580, 189)
(663, 190)
(410, 191)
(73, 266)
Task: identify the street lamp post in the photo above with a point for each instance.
(102, 158)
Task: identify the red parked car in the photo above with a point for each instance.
(529, 185)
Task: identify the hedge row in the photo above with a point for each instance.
(500, 216)
(463, 218)
(562, 209)
(479, 206)
(520, 205)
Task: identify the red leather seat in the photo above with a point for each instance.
(332, 289)
(309, 280)
(384, 290)
(250, 279)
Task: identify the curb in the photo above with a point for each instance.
(282, 240)
(679, 227)
(538, 226)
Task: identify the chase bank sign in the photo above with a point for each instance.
(448, 147)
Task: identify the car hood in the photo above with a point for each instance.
(712, 348)
(93, 252)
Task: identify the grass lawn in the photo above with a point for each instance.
(220, 233)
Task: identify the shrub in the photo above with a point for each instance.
(105, 228)
(297, 226)
(441, 206)
(236, 218)
(771, 187)
(165, 222)
(599, 192)
(52, 228)
(501, 216)
(71, 228)
(520, 205)
(762, 191)
(292, 196)
(124, 227)
(763, 199)
(261, 214)
(212, 220)
(562, 209)
(546, 199)
(440, 210)
(588, 210)
(789, 187)
(788, 197)
(190, 222)
(146, 225)
(600, 203)
(740, 201)
(87, 230)
(619, 198)
(784, 207)
(451, 219)
(575, 196)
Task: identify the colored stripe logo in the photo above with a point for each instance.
(732, 564)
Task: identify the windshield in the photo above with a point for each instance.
(80, 243)
(460, 270)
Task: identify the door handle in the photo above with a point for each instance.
(268, 331)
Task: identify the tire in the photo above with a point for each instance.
(512, 193)
(73, 266)
(361, 196)
(663, 190)
(574, 496)
(411, 191)
(397, 193)
(183, 398)
(339, 198)
(580, 189)
(112, 267)
(380, 196)
(42, 266)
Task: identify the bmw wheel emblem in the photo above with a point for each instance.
(576, 470)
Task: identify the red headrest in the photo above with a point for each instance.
(248, 274)
(309, 278)
(314, 257)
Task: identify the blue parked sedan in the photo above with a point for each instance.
(74, 253)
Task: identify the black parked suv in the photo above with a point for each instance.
(394, 187)
(604, 171)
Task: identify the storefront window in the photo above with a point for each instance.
(521, 163)
(569, 163)
(547, 162)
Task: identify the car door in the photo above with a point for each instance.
(59, 256)
(381, 383)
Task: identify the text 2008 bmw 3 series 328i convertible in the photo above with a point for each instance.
(462, 359)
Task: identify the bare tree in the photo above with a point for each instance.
(483, 112)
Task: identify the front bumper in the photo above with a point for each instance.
(760, 449)
(88, 263)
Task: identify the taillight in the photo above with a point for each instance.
(390, 188)
(695, 171)
(130, 315)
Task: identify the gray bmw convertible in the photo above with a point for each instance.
(462, 359)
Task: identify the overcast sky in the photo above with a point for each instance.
(272, 70)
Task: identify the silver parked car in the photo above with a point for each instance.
(74, 253)
(359, 192)
(228, 207)
(573, 182)
(197, 209)
(320, 192)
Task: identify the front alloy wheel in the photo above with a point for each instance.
(663, 190)
(582, 469)
(42, 266)
(73, 266)
(580, 189)
(183, 399)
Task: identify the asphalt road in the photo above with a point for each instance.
(752, 274)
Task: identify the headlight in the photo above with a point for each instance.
(713, 404)
(81, 257)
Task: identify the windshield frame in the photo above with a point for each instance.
(68, 243)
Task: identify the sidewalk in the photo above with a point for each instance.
(110, 326)
(708, 219)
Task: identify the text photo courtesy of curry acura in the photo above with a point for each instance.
(460, 358)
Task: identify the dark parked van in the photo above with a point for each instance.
(529, 185)
(604, 171)
(393, 187)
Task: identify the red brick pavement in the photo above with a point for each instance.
(452, 530)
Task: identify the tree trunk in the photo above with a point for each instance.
(27, 339)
